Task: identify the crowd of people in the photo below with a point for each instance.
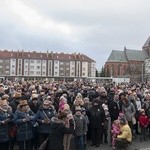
(35, 112)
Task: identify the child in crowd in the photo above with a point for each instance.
(87, 123)
(144, 122)
(80, 128)
(115, 131)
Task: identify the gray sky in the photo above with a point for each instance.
(91, 27)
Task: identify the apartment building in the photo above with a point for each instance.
(49, 65)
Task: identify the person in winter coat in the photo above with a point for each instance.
(43, 118)
(24, 118)
(144, 122)
(97, 119)
(114, 108)
(34, 106)
(33, 103)
(67, 137)
(57, 132)
(125, 137)
(5, 119)
(129, 110)
(86, 130)
(115, 131)
(78, 102)
(80, 128)
(15, 102)
(107, 125)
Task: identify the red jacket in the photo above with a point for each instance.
(143, 120)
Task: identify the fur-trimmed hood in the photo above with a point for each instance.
(55, 123)
(56, 120)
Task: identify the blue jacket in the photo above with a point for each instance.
(24, 128)
(4, 128)
(44, 128)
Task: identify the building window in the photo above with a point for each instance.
(31, 61)
(67, 74)
(56, 62)
(43, 67)
(38, 67)
(7, 67)
(31, 72)
(83, 69)
(26, 60)
(44, 62)
(61, 68)
(13, 66)
(119, 69)
(72, 73)
(38, 61)
(56, 67)
(13, 72)
(26, 72)
(67, 68)
(31, 67)
(26, 67)
(67, 63)
(56, 73)
(38, 72)
(61, 63)
(7, 61)
(44, 72)
(6, 72)
(61, 74)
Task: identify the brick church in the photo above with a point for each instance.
(128, 63)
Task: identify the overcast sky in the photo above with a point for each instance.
(91, 27)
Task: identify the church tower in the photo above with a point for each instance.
(146, 47)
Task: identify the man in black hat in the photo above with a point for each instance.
(97, 119)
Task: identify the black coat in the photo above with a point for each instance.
(114, 110)
(56, 136)
(96, 116)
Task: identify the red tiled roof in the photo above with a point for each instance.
(48, 55)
